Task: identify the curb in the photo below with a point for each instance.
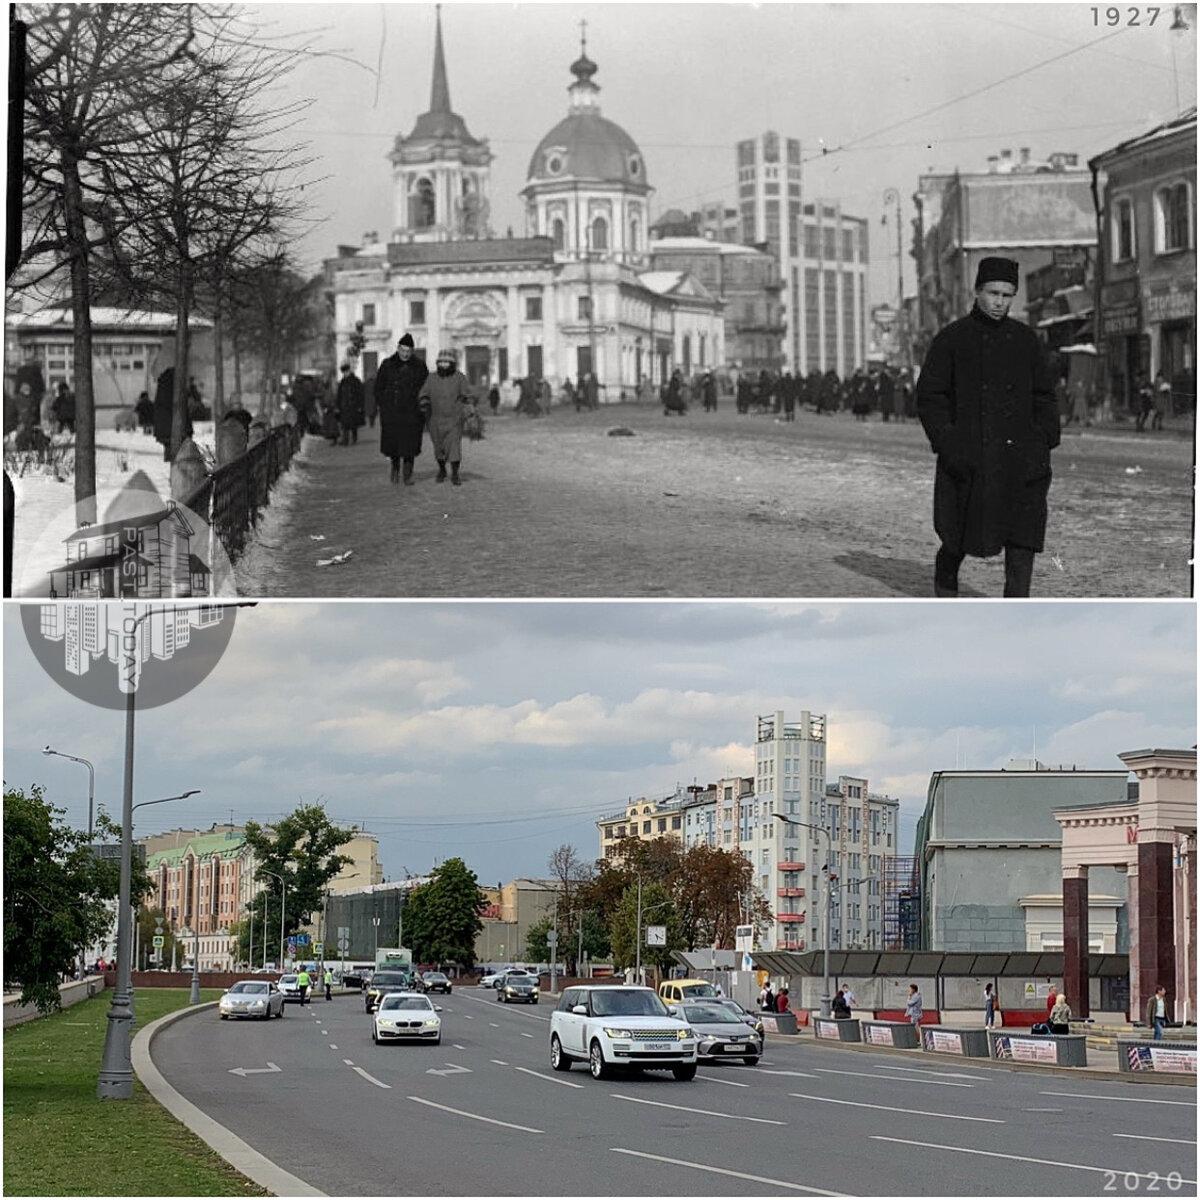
(1119, 1076)
(242, 1157)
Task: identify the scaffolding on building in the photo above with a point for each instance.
(901, 903)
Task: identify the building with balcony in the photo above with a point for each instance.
(863, 828)
(1145, 192)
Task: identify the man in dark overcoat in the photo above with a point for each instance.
(401, 422)
(350, 405)
(986, 400)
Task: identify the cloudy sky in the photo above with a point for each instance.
(877, 93)
(498, 731)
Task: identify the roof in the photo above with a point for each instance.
(535, 250)
(593, 148)
(440, 123)
(205, 843)
(925, 964)
(674, 283)
(699, 244)
(1180, 124)
(61, 317)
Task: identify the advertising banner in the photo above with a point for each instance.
(878, 1035)
(942, 1041)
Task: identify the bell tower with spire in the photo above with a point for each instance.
(440, 173)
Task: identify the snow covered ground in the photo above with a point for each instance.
(45, 495)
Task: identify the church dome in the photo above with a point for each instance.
(585, 145)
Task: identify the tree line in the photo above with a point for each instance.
(159, 170)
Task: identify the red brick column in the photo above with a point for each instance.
(1075, 940)
(1156, 922)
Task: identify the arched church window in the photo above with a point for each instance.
(422, 208)
(634, 230)
(558, 232)
(599, 234)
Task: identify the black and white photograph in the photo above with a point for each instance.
(639, 300)
(511, 678)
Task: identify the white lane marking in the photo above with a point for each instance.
(794, 1074)
(348, 1061)
(451, 1069)
(332, 1046)
(548, 1078)
(475, 1116)
(493, 1025)
(929, 1071)
(893, 1078)
(1127, 1099)
(1119, 1172)
(500, 1062)
(324, 1032)
(1043, 1110)
(1145, 1137)
(912, 1112)
(457, 1046)
(678, 1162)
(704, 1112)
(372, 1079)
(528, 1035)
(727, 1082)
(468, 1017)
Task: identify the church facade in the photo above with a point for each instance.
(574, 295)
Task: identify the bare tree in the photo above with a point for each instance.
(570, 872)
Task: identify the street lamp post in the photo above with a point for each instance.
(826, 999)
(375, 923)
(115, 1081)
(892, 196)
(91, 783)
(282, 912)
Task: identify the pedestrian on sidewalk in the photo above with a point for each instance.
(848, 992)
(841, 1010)
(913, 1009)
(445, 398)
(1145, 403)
(1052, 998)
(398, 386)
(781, 1001)
(350, 405)
(1060, 1016)
(989, 1006)
(986, 400)
(767, 1000)
(1156, 1011)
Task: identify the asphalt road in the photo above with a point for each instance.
(705, 505)
(483, 1115)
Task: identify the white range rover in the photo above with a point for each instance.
(608, 1026)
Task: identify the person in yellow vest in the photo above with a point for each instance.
(303, 979)
(328, 984)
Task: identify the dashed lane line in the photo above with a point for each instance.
(1125, 1099)
(1145, 1137)
(547, 1078)
(1118, 1172)
(679, 1162)
(929, 1071)
(726, 1082)
(912, 1112)
(475, 1116)
(893, 1078)
(332, 1046)
(704, 1112)
(793, 1074)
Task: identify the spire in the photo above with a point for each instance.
(439, 99)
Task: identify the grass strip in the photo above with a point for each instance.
(61, 1140)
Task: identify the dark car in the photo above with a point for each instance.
(518, 986)
(383, 982)
(435, 981)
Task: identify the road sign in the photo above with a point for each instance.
(343, 944)
(159, 940)
(319, 949)
(552, 937)
(302, 939)
(343, 931)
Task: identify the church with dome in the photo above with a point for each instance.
(576, 294)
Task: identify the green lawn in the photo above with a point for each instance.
(60, 1140)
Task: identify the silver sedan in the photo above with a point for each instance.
(722, 1033)
(251, 998)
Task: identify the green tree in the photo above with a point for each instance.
(55, 894)
(658, 908)
(442, 918)
(301, 851)
(715, 892)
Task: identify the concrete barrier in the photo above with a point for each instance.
(16, 1013)
(967, 1043)
(784, 1022)
(845, 1030)
(1141, 1055)
(1053, 1049)
(901, 1034)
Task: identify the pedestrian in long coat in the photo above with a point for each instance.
(164, 412)
(350, 405)
(986, 400)
(446, 397)
(397, 396)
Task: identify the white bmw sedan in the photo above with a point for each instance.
(406, 1016)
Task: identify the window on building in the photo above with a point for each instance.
(422, 208)
(646, 826)
(675, 822)
(558, 233)
(416, 312)
(1172, 218)
(585, 308)
(1123, 247)
(368, 316)
(770, 147)
(533, 308)
(599, 234)
(662, 824)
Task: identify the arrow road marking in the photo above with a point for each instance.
(269, 1069)
(452, 1070)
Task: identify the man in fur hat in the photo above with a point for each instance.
(986, 400)
(445, 399)
(401, 422)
